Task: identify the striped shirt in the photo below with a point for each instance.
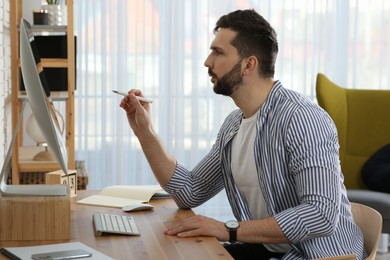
(297, 161)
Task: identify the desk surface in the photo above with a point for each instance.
(152, 244)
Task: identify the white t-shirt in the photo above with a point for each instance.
(245, 174)
(244, 168)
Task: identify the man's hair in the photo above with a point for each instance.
(255, 37)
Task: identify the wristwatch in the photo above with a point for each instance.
(232, 226)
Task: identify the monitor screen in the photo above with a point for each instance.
(38, 95)
(39, 99)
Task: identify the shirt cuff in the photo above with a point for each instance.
(291, 225)
(178, 180)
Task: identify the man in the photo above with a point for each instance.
(276, 156)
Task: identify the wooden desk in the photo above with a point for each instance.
(152, 244)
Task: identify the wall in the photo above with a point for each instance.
(5, 78)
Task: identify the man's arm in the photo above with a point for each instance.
(264, 230)
(138, 114)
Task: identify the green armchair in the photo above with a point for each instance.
(362, 118)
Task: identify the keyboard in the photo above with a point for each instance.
(114, 223)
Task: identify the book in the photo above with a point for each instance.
(25, 252)
(118, 196)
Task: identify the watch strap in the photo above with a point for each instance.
(232, 235)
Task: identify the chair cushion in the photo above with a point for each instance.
(376, 171)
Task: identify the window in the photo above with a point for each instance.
(160, 46)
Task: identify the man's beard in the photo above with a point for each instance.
(230, 82)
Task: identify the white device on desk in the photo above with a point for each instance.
(62, 255)
(137, 207)
(114, 223)
(38, 95)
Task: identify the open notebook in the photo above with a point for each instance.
(118, 196)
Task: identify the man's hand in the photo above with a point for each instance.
(137, 112)
(199, 226)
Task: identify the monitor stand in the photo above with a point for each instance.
(35, 219)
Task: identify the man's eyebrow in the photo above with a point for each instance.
(216, 48)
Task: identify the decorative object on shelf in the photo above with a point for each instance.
(36, 135)
(57, 11)
(41, 17)
(54, 2)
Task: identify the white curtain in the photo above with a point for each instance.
(159, 46)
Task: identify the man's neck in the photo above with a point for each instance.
(251, 97)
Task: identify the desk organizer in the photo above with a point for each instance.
(59, 177)
(42, 219)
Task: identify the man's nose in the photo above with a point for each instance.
(207, 62)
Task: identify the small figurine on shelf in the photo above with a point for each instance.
(54, 2)
(57, 12)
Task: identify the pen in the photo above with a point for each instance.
(142, 99)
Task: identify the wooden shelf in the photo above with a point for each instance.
(28, 164)
(54, 63)
(49, 28)
(55, 95)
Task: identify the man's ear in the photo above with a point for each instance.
(250, 64)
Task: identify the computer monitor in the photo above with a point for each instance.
(38, 95)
